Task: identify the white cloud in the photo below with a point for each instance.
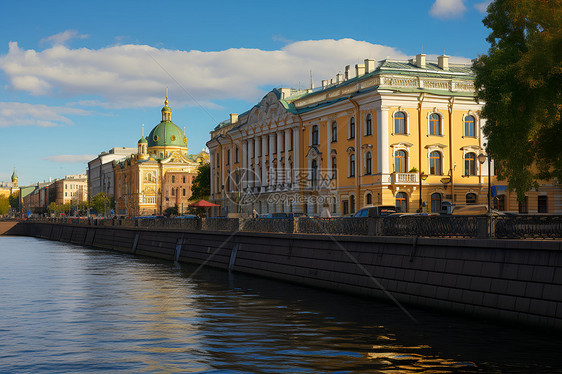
(445, 9)
(483, 6)
(63, 37)
(70, 159)
(24, 114)
(129, 76)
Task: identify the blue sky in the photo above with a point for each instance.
(80, 77)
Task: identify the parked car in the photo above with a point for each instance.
(375, 211)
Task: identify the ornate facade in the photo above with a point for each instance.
(159, 175)
(404, 133)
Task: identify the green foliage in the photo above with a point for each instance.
(14, 201)
(4, 205)
(201, 187)
(100, 202)
(520, 81)
(171, 211)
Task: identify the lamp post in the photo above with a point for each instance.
(423, 177)
(481, 158)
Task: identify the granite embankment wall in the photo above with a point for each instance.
(511, 280)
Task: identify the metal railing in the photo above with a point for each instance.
(502, 227)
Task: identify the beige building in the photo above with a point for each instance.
(404, 133)
(159, 175)
(72, 189)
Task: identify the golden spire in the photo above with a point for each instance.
(166, 102)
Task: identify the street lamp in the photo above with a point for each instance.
(423, 177)
(481, 158)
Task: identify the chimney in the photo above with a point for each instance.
(339, 77)
(359, 70)
(443, 62)
(324, 83)
(233, 117)
(420, 61)
(347, 72)
(369, 66)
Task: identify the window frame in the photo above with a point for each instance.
(396, 161)
(352, 165)
(368, 125)
(437, 167)
(352, 128)
(368, 163)
(435, 124)
(400, 122)
(470, 125)
(334, 131)
(315, 135)
(470, 169)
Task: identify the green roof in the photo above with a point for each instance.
(166, 133)
(142, 140)
(14, 175)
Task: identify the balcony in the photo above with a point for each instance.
(405, 178)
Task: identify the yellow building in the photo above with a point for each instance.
(404, 133)
(159, 176)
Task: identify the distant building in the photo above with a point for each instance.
(72, 189)
(159, 175)
(101, 176)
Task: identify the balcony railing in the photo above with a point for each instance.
(405, 178)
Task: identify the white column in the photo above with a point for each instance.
(296, 151)
(212, 166)
(382, 141)
(264, 181)
(250, 154)
(244, 163)
(257, 154)
(270, 171)
(279, 170)
(287, 147)
(222, 164)
(328, 157)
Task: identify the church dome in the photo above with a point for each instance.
(142, 140)
(166, 133)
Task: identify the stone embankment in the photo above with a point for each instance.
(510, 280)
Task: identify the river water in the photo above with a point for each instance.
(71, 309)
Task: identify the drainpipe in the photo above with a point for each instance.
(357, 153)
(420, 102)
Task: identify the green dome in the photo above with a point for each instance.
(143, 140)
(166, 108)
(14, 175)
(166, 133)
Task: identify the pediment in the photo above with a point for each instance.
(176, 157)
(313, 153)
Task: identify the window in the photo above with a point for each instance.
(184, 192)
(368, 163)
(400, 161)
(315, 135)
(524, 206)
(469, 126)
(228, 157)
(471, 198)
(183, 179)
(352, 165)
(434, 124)
(399, 123)
(435, 163)
(470, 164)
(345, 207)
(334, 131)
(173, 179)
(334, 168)
(499, 203)
(173, 192)
(369, 199)
(352, 128)
(369, 125)
(352, 204)
(543, 204)
(314, 172)
(401, 202)
(435, 202)
(236, 155)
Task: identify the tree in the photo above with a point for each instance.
(14, 200)
(201, 187)
(100, 202)
(520, 82)
(4, 205)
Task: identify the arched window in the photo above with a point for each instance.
(314, 172)
(369, 125)
(352, 204)
(334, 167)
(434, 124)
(352, 165)
(315, 135)
(471, 198)
(435, 163)
(237, 154)
(400, 161)
(334, 131)
(402, 202)
(469, 126)
(399, 123)
(352, 128)
(435, 202)
(369, 199)
(470, 164)
(542, 204)
(368, 163)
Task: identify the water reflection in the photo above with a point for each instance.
(67, 308)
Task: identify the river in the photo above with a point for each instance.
(65, 308)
